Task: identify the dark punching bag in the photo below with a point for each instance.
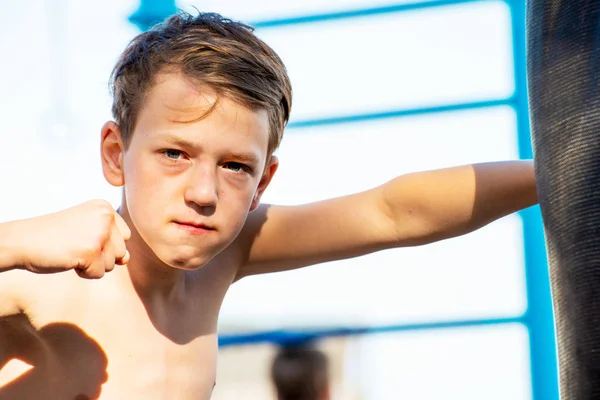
(563, 51)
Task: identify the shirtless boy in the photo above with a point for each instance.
(199, 106)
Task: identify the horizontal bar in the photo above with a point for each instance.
(288, 337)
(400, 113)
(364, 12)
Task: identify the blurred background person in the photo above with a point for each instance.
(301, 372)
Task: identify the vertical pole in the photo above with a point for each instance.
(539, 316)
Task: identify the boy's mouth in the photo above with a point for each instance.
(194, 227)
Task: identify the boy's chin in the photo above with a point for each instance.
(186, 262)
(184, 256)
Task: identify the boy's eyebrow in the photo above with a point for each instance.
(181, 142)
(247, 157)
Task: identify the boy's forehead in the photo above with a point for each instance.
(179, 99)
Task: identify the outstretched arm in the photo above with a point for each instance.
(89, 238)
(413, 209)
(10, 256)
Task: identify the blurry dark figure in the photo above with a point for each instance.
(301, 372)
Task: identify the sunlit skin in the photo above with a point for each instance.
(192, 177)
(194, 168)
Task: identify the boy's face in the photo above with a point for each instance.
(190, 176)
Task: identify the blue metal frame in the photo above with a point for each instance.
(407, 112)
(359, 13)
(538, 317)
(151, 12)
(288, 336)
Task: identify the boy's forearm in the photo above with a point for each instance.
(434, 205)
(10, 256)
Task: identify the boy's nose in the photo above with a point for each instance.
(202, 189)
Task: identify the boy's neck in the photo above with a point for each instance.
(162, 291)
(154, 280)
(151, 278)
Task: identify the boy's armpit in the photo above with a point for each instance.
(15, 329)
(12, 317)
(12, 290)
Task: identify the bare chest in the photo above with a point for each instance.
(150, 362)
(113, 347)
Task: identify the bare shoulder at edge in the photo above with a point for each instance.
(19, 289)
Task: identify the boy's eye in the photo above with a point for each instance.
(172, 154)
(237, 167)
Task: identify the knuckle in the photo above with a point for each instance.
(103, 237)
(103, 207)
(95, 273)
(120, 252)
(89, 273)
(81, 263)
(107, 213)
(92, 249)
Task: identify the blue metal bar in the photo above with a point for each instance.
(401, 113)
(152, 12)
(364, 12)
(298, 336)
(539, 316)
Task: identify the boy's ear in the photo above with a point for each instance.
(270, 170)
(112, 153)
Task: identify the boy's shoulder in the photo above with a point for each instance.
(21, 291)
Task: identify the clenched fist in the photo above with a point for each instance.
(88, 238)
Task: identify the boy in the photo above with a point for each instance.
(200, 104)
